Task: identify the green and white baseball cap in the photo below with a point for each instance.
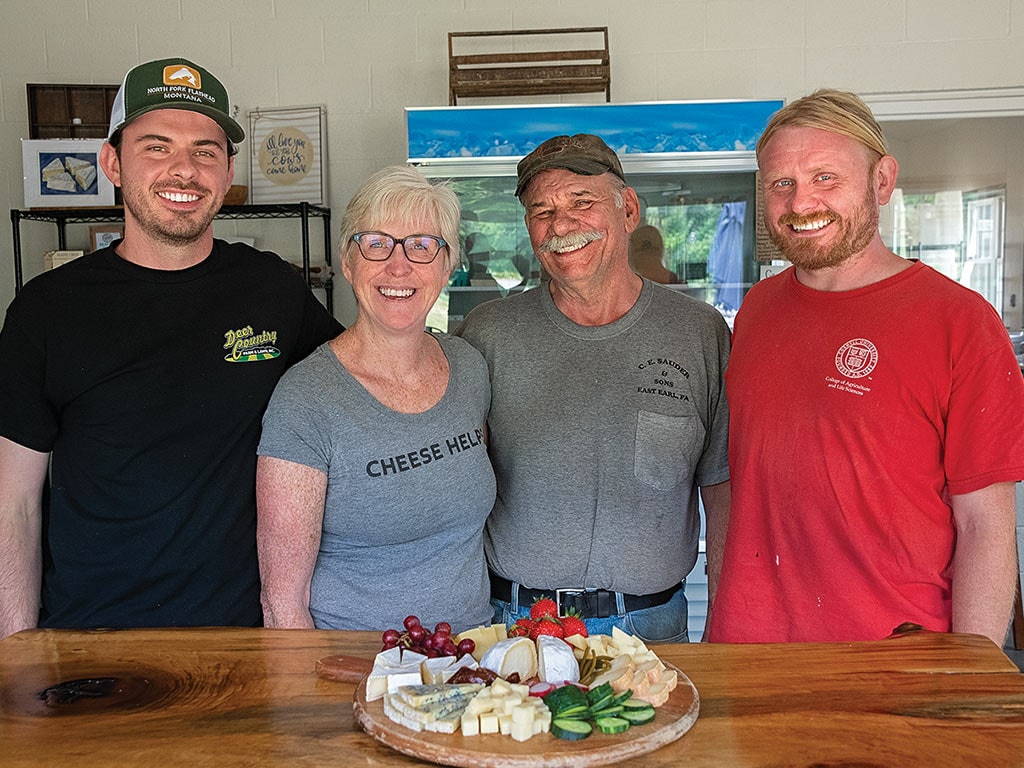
(173, 84)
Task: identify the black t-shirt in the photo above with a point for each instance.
(147, 387)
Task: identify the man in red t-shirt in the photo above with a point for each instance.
(877, 414)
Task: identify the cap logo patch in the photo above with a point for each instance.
(179, 74)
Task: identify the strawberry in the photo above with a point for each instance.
(543, 606)
(521, 628)
(572, 624)
(548, 625)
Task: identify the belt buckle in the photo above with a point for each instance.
(570, 593)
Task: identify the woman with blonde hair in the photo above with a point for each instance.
(373, 481)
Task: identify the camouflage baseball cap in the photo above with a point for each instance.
(583, 153)
(173, 84)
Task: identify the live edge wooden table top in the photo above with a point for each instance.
(250, 697)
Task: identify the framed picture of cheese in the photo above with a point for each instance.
(287, 155)
(64, 173)
(102, 235)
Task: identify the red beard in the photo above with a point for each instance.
(854, 235)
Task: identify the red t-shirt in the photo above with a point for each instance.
(854, 416)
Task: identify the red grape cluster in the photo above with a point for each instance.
(417, 638)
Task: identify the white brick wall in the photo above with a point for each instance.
(297, 52)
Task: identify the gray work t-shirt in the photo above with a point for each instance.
(407, 494)
(599, 438)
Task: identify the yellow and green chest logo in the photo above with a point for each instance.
(246, 346)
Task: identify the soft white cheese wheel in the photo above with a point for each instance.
(515, 654)
(555, 661)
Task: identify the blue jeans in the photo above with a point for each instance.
(661, 624)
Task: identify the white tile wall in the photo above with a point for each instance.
(297, 52)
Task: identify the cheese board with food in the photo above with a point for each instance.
(508, 701)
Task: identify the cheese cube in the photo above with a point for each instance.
(470, 724)
(505, 724)
(522, 691)
(522, 731)
(522, 713)
(489, 722)
(508, 704)
(480, 705)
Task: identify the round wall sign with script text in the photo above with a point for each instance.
(286, 156)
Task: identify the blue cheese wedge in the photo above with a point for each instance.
(422, 695)
(437, 708)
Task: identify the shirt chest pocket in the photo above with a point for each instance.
(667, 449)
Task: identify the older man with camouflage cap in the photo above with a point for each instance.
(137, 376)
(608, 411)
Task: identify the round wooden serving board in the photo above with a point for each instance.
(674, 718)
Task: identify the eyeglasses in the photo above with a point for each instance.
(378, 246)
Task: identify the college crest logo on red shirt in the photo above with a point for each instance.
(856, 358)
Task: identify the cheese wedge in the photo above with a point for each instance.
(483, 637)
(53, 168)
(555, 661)
(576, 641)
(62, 182)
(85, 176)
(424, 695)
(514, 654)
(391, 670)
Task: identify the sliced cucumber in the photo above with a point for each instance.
(567, 701)
(607, 712)
(623, 697)
(611, 724)
(571, 730)
(638, 716)
(635, 704)
(596, 705)
(596, 694)
(572, 712)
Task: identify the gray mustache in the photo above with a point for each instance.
(570, 242)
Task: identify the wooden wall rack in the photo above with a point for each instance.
(529, 73)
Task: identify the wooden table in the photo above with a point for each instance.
(234, 697)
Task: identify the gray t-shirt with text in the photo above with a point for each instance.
(407, 494)
(599, 438)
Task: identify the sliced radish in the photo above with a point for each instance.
(541, 689)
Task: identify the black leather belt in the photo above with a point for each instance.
(589, 603)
